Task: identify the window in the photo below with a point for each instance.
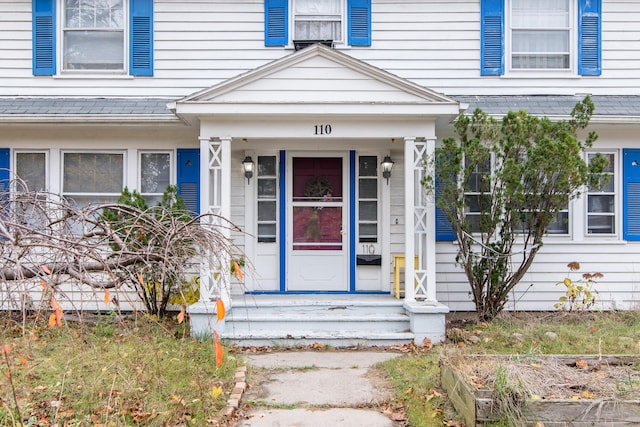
(267, 181)
(31, 167)
(368, 199)
(90, 177)
(477, 194)
(318, 20)
(95, 36)
(601, 204)
(540, 35)
(155, 175)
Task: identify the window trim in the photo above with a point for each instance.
(343, 23)
(16, 152)
(573, 45)
(73, 194)
(616, 197)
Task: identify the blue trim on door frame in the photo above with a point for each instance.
(283, 219)
(352, 221)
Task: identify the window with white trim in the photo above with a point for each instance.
(93, 35)
(541, 34)
(601, 203)
(154, 175)
(92, 177)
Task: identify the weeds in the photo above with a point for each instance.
(114, 372)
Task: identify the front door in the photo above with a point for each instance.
(317, 208)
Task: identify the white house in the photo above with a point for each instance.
(316, 95)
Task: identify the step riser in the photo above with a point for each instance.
(336, 325)
(284, 342)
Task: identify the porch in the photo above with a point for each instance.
(330, 319)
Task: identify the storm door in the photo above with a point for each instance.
(317, 208)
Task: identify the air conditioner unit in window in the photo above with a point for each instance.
(301, 44)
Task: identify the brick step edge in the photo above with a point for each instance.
(236, 394)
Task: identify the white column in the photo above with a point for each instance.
(430, 262)
(225, 211)
(205, 191)
(409, 241)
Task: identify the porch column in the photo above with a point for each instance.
(215, 199)
(419, 223)
(409, 241)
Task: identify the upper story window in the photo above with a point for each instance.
(317, 20)
(540, 35)
(346, 22)
(95, 36)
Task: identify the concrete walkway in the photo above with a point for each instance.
(308, 389)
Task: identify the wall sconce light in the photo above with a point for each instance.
(247, 166)
(387, 165)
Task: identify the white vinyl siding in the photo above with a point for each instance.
(434, 44)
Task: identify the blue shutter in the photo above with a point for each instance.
(492, 37)
(589, 37)
(276, 24)
(44, 37)
(4, 168)
(444, 229)
(631, 193)
(141, 38)
(188, 172)
(359, 21)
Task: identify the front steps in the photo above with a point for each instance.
(298, 320)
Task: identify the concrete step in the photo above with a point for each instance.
(304, 338)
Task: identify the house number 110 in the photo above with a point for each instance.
(322, 130)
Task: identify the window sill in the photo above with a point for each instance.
(569, 75)
(93, 76)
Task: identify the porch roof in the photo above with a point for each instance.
(608, 108)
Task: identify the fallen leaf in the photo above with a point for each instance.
(535, 366)
(220, 310)
(582, 364)
(587, 395)
(398, 416)
(52, 321)
(535, 397)
(7, 349)
(22, 359)
(539, 425)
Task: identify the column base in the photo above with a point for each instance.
(427, 320)
(204, 320)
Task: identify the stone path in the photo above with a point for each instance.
(309, 389)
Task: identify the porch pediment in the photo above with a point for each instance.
(316, 80)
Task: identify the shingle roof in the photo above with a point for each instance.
(84, 106)
(553, 105)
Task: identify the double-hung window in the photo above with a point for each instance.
(93, 35)
(31, 169)
(107, 36)
(537, 35)
(540, 34)
(344, 22)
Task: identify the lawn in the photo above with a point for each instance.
(109, 371)
(416, 377)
